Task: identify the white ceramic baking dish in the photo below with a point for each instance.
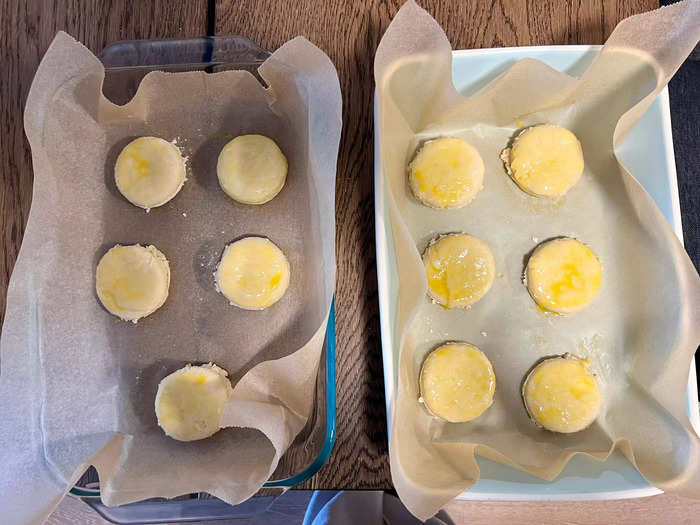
(647, 152)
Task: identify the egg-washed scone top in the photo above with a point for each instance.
(563, 275)
(562, 395)
(190, 401)
(251, 169)
(253, 273)
(544, 160)
(459, 268)
(149, 172)
(457, 382)
(446, 173)
(132, 281)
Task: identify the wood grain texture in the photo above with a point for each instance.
(26, 30)
(664, 509)
(349, 33)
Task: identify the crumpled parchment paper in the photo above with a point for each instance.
(643, 328)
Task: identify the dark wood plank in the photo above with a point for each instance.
(26, 30)
(349, 33)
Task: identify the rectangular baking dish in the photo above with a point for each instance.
(647, 152)
(126, 63)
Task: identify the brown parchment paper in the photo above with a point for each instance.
(77, 387)
(643, 328)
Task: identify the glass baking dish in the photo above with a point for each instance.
(126, 63)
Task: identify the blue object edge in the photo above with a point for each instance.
(329, 441)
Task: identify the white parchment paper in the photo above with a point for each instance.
(643, 328)
(77, 387)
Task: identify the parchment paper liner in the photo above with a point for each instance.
(643, 328)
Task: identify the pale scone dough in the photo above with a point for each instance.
(563, 275)
(253, 273)
(251, 169)
(457, 382)
(446, 173)
(132, 281)
(460, 270)
(190, 401)
(149, 172)
(562, 395)
(544, 160)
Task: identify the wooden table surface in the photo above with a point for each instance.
(349, 32)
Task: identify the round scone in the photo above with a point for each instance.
(132, 281)
(149, 172)
(446, 173)
(457, 382)
(544, 160)
(561, 394)
(190, 401)
(460, 270)
(253, 273)
(251, 169)
(563, 275)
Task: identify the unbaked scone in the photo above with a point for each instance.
(457, 382)
(132, 281)
(446, 173)
(190, 401)
(562, 395)
(251, 169)
(253, 273)
(459, 268)
(544, 160)
(149, 172)
(563, 275)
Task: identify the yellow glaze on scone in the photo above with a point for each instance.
(460, 270)
(545, 160)
(251, 169)
(563, 275)
(562, 395)
(132, 281)
(457, 382)
(253, 273)
(190, 401)
(149, 172)
(446, 173)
